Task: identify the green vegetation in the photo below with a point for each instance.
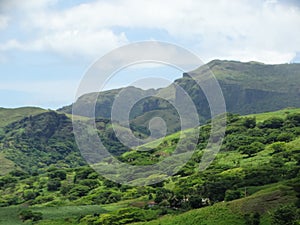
(256, 171)
(241, 211)
(278, 114)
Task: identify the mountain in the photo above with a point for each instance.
(247, 88)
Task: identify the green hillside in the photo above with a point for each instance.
(8, 116)
(38, 141)
(256, 173)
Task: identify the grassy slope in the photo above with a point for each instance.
(281, 113)
(257, 75)
(52, 215)
(8, 116)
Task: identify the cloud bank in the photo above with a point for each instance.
(245, 30)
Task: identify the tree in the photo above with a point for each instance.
(285, 136)
(195, 201)
(249, 122)
(232, 195)
(78, 191)
(278, 147)
(29, 195)
(294, 119)
(252, 148)
(53, 185)
(286, 215)
(273, 123)
(60, 174)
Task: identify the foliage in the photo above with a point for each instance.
(286, 214)
(236, 176)
(30, 215)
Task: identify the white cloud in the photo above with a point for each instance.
(75, 42)
(70, 43)
(3, 22)
(246, 30)
(25, 6)
(10, 44)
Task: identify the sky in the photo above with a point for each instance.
(46, 46)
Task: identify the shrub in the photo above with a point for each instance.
(29, 195)
(232, 195)
(273, 123)
(29, 215)
(78, 191)
(294, 119)
(60, 174)
(249, 122)
(286, 137)
(278, 147)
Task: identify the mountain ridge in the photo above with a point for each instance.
(247, 87)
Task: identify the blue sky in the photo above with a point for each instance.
(47, 45)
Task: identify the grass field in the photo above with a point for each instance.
(54, 215)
